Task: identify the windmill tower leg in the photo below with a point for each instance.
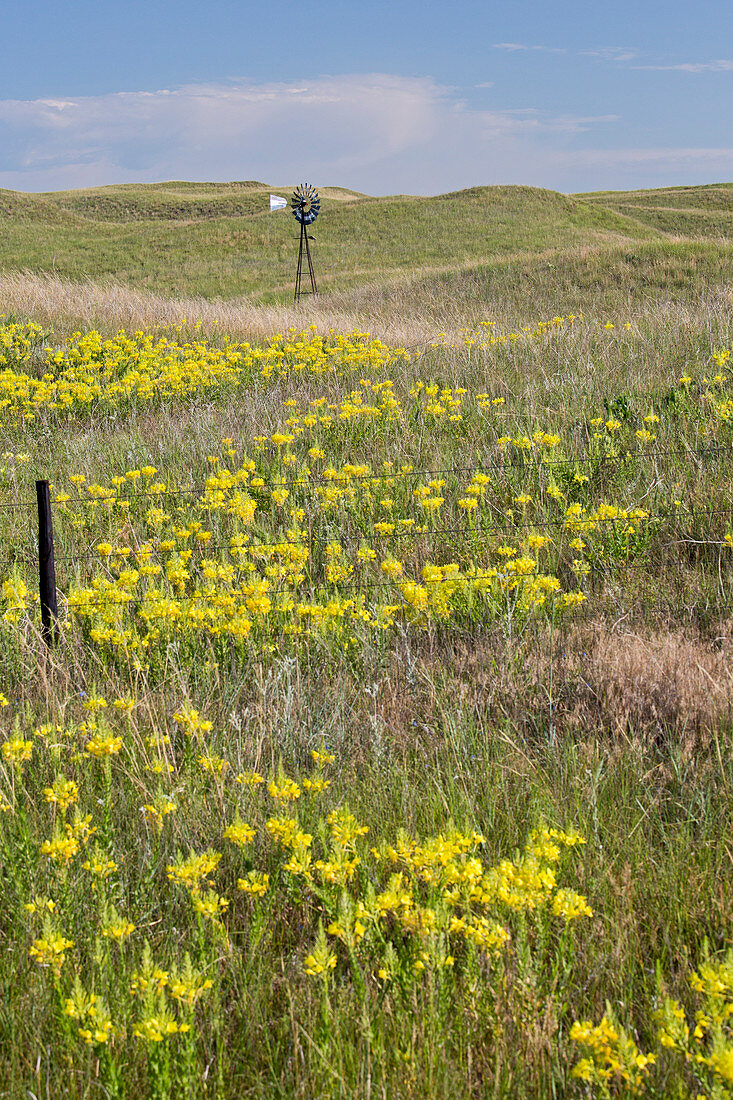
(311, 269)
(299, 275)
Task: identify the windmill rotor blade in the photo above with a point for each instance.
(305, 203)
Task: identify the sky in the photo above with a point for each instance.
(394, 96)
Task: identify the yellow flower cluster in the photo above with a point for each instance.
(611, 1056)
(432, 894)
(50, 948)
(391, 913)
(270, 580)
(298, 541)
(91, 1013)
(88, 371)
(700, 1041)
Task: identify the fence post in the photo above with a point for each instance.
(46, 566)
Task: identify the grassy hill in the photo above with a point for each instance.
(222, 240)
(705, 211)
(394, 264)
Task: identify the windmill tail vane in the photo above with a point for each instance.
(306, 206)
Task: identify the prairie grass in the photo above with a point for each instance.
(225, 243)
(682, 285)
(464, 722)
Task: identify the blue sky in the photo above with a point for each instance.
(382, 97)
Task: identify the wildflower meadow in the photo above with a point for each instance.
(385, 746)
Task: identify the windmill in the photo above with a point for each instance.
(306, 207)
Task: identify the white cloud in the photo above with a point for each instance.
(674, 158)
(623, 55)
(720, 66)
(373, 132)
(376, 133)
(628, 168)
(514, 47)
(611, 53)
(603, 53)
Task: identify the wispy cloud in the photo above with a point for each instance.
(674, 159)
(719, 66)
(375, 132)
(603, 53)
(628, 168)
(515, 47)
(623, 55)
(611, 53)
(578, 124)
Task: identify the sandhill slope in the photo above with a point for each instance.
(222, 240)
(705, 211)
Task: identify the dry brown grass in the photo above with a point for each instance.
(408, 310)
(659, 682)
(648, 682)
(65, 304)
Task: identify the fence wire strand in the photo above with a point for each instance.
(396, 475)
(573, 525)
(662, 607)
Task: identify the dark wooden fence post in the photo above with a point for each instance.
(46, 565)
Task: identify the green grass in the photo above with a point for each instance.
(684, 211)
(457, 253)
(615, 723)
(223, 241)
(615, 280)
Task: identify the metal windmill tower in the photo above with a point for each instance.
(306, 207)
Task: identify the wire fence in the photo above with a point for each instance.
(479, 529)
(699, 605)
(595, 611)
(403, 474)
(332, 588)
(574, 524)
